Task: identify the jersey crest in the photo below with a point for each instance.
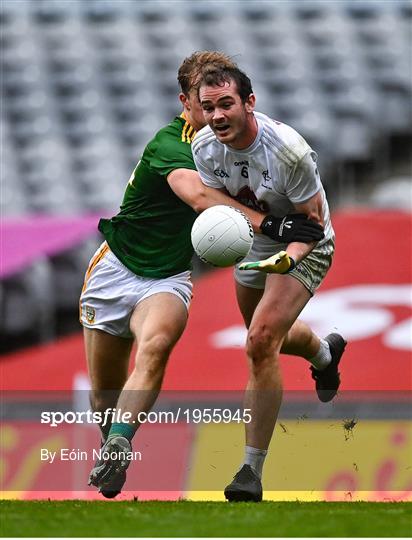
(248, 198)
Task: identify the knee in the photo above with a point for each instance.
(158, 346)
(263, 343)
(153, 353)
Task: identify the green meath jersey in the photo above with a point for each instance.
(151, 233)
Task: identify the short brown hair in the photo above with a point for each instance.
(216, 75)
(192, 67)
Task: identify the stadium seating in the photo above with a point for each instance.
(28, 306)
(86, 83)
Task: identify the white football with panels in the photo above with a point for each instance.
(222, 236)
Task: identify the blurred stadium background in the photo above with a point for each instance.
(85, 84)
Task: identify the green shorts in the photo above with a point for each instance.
(310, 272)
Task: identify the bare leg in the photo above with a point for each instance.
(107, 360)
(283, 300)
(157, 322)
(270, 316)
(248, 299)
(299, 341)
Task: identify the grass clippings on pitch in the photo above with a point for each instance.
(197, 519)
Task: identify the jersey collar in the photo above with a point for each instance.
(188, 132)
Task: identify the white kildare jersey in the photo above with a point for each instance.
(277, 171)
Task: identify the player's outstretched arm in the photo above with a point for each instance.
(187, 185)
(284, 262)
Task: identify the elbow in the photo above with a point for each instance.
(317, 218)
(199, 202)
(316, 215)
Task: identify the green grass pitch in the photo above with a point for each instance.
(185, 518)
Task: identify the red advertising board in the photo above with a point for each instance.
(367, 296)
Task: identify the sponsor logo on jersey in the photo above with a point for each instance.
(220, 173)
(90, 314)
(239, 163)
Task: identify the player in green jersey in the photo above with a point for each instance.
(152, 212)
(138, 285)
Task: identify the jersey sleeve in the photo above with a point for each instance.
(170, 153)
(304, 181)
(205, 170)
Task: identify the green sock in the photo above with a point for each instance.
(121, 430)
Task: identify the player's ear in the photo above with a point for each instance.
(250, 103)
(184, 100)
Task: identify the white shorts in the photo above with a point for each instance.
(111, 292)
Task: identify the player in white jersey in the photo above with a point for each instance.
(145, 296)
(268, 166)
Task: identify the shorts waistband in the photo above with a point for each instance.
(111, 257)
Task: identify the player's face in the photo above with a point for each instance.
(229, 118)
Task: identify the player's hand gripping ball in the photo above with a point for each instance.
(222, 236)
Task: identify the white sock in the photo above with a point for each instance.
(323, 357)
(255, 458)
